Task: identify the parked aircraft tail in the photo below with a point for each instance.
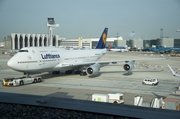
(109, 47)
(102, 41)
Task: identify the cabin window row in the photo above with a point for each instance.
(27, 62)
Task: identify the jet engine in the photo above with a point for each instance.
(93, 69)
(129, 65)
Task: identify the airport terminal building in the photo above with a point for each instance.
(16, 41)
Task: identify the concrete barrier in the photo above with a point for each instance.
(90, 106)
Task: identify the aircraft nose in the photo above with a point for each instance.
(10, 63)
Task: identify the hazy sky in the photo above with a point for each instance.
(88, 18)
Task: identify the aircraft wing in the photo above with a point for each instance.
(173, 72)
(115, 61)
(103, 62)
(74, 64)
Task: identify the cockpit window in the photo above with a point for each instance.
(23, 50)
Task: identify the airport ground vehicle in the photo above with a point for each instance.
(171, 103)
(20, 81)
(175, 54)
(111, 98)
(160, 49)
(150, 81)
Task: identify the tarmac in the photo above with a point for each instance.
(111, 79)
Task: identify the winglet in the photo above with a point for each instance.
(173, 72)
(102, 41)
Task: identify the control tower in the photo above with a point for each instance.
(51, 25)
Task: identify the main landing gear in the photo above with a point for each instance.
(81, 73)
(68, 72)
(27, 75)
(56, 72)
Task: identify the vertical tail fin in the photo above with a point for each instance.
(102, 41)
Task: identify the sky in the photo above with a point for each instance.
(88, 18)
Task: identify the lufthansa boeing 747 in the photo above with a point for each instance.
(53, 59)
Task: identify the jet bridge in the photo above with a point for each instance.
(138, 100)
(156, 103)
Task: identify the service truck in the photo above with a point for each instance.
(171, 103)
(12, 81)
(110, 98)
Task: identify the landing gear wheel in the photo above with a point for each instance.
(83, 73)
(39, 80)
(77, 72)
(35, 80)
(68, 72)
(21, 83)
(56, 72)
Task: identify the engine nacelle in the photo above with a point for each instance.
(129, 66)
(93, 69)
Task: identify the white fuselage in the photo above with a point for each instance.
(39, 59)
(119, 49)
(115, 50)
